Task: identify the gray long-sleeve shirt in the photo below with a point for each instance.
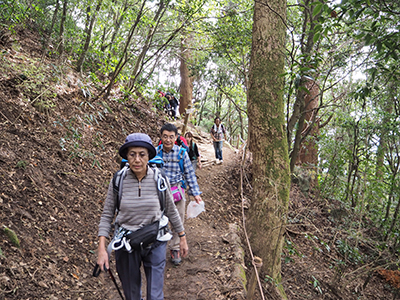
(139, 205)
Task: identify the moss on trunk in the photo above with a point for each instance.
(267, 135)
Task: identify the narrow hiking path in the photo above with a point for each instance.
(210, 271)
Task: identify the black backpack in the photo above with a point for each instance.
(180, 143)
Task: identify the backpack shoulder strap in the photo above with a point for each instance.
(159, 150)
(156, 161)
(159, 177)
(181, 156)
(117, 180)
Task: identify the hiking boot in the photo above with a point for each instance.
(176, 257)
(221, 161)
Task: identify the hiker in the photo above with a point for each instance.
(173, 102)
(139, 206)
(217, 133)
(180, 141)
(161, 93)
(193, 151)
(178, 168)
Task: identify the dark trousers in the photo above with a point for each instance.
(174, 111)
(218, 149)
(128, 268)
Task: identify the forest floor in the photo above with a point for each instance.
(55, 165)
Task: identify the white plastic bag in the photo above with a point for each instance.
(194, 209)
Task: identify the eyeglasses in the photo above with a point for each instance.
(139, 155)
(168, 137)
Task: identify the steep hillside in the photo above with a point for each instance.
(55, 167)
(57, 154)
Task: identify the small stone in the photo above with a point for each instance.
(43, 284)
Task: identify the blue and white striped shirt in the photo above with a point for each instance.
(173, 171)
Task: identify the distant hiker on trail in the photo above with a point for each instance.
(162, 102)
(144, 204)
(217, 133)
(194, 154)
(161, 93)
(178, 168)
(173, 103)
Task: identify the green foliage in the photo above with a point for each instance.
(11, 236)
(316, 284)
(291, 249)
(349, 252)
(317, 242)
(269, 279)
(21, 164)
(81, 130)
(36, 82)
(378, 31)
(13, 12)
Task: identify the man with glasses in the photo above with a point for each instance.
(179, 170)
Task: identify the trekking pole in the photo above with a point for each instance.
(115, 282)
(96, 273)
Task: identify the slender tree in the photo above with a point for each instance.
(137, 69)
(267, 135)
(60, 46)
(89, 28)
(186, 85)
(50, 32)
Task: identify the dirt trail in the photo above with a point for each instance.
(206, 273)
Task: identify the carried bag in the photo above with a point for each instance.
(176, 193)
(194, 209)
(144, 236)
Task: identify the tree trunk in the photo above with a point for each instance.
(394, 220)
(382, 146)
(60, 46)
(267, 136)
(137, 69)
(296, 146)
(307, 44)
(308, 152)
(353, 166)
(390, 200)
(88, 35)
(202, 106)
(53, 22)
(124, 56)
(118, 17)
(186, 85)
